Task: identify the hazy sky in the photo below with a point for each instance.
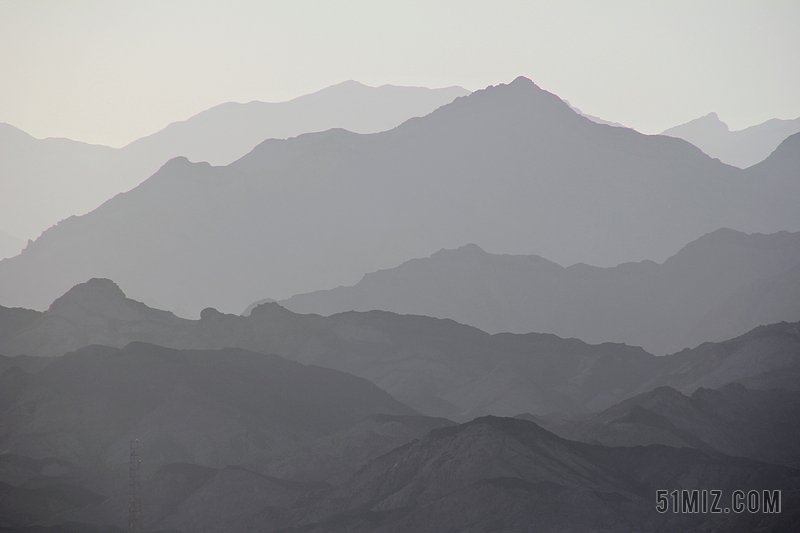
(109, 72)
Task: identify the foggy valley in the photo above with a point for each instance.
(384, 307)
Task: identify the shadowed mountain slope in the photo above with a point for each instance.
(438, 367)
(662, 308)
(488, 475)
(763, 301)
(47, 180)
(65, 430)
(213, 408)
(510, 168)
(758, 424)
(500, 474)
(743, 148)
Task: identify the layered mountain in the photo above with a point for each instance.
(715, 288)
(764, 301)
(224, 436)
(511, 168)
(439, 367)
(742, 148)
(759, 424)
(487, 475)
(211, 408)
(500, 474)
(47, 180)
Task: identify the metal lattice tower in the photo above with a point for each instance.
(134, 500)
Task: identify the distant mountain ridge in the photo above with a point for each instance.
(663, 308)
(759, 424)
(742, 148)
(510, 168)
(47, 180)
(438, 367)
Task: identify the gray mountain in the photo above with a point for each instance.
(759, 424)
(742, 148)
(488, 475)
(439, 367)
(212, 427)
(509, 168)
(764, 301)
(228, 131)
(662, 308)
(501, 474)
(48, 180)
(212, 408)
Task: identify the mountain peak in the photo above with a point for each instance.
(99, 297)
(707, 124)
(522, 80)
(94, 289)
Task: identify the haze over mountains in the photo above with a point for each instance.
(438, 367)
(729, 419)
(386, 418)
(238, 438)
(717, 287)
(742, 148)
(216, 426)
(511, 168)
(47, 180)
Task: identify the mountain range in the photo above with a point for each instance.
(47, 180)
(242, 427)
(479, 387)
(509, 168)
(742, 148)
(731, 419)
(437, 367)
(715, 288)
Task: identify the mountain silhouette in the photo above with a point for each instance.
(662, 307)
(47, 180)
(742, 148)
(213, 408)
(509, 168)
(759, 424)
(503, 474)
(438, 367)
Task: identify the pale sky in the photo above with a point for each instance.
(109, 72)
